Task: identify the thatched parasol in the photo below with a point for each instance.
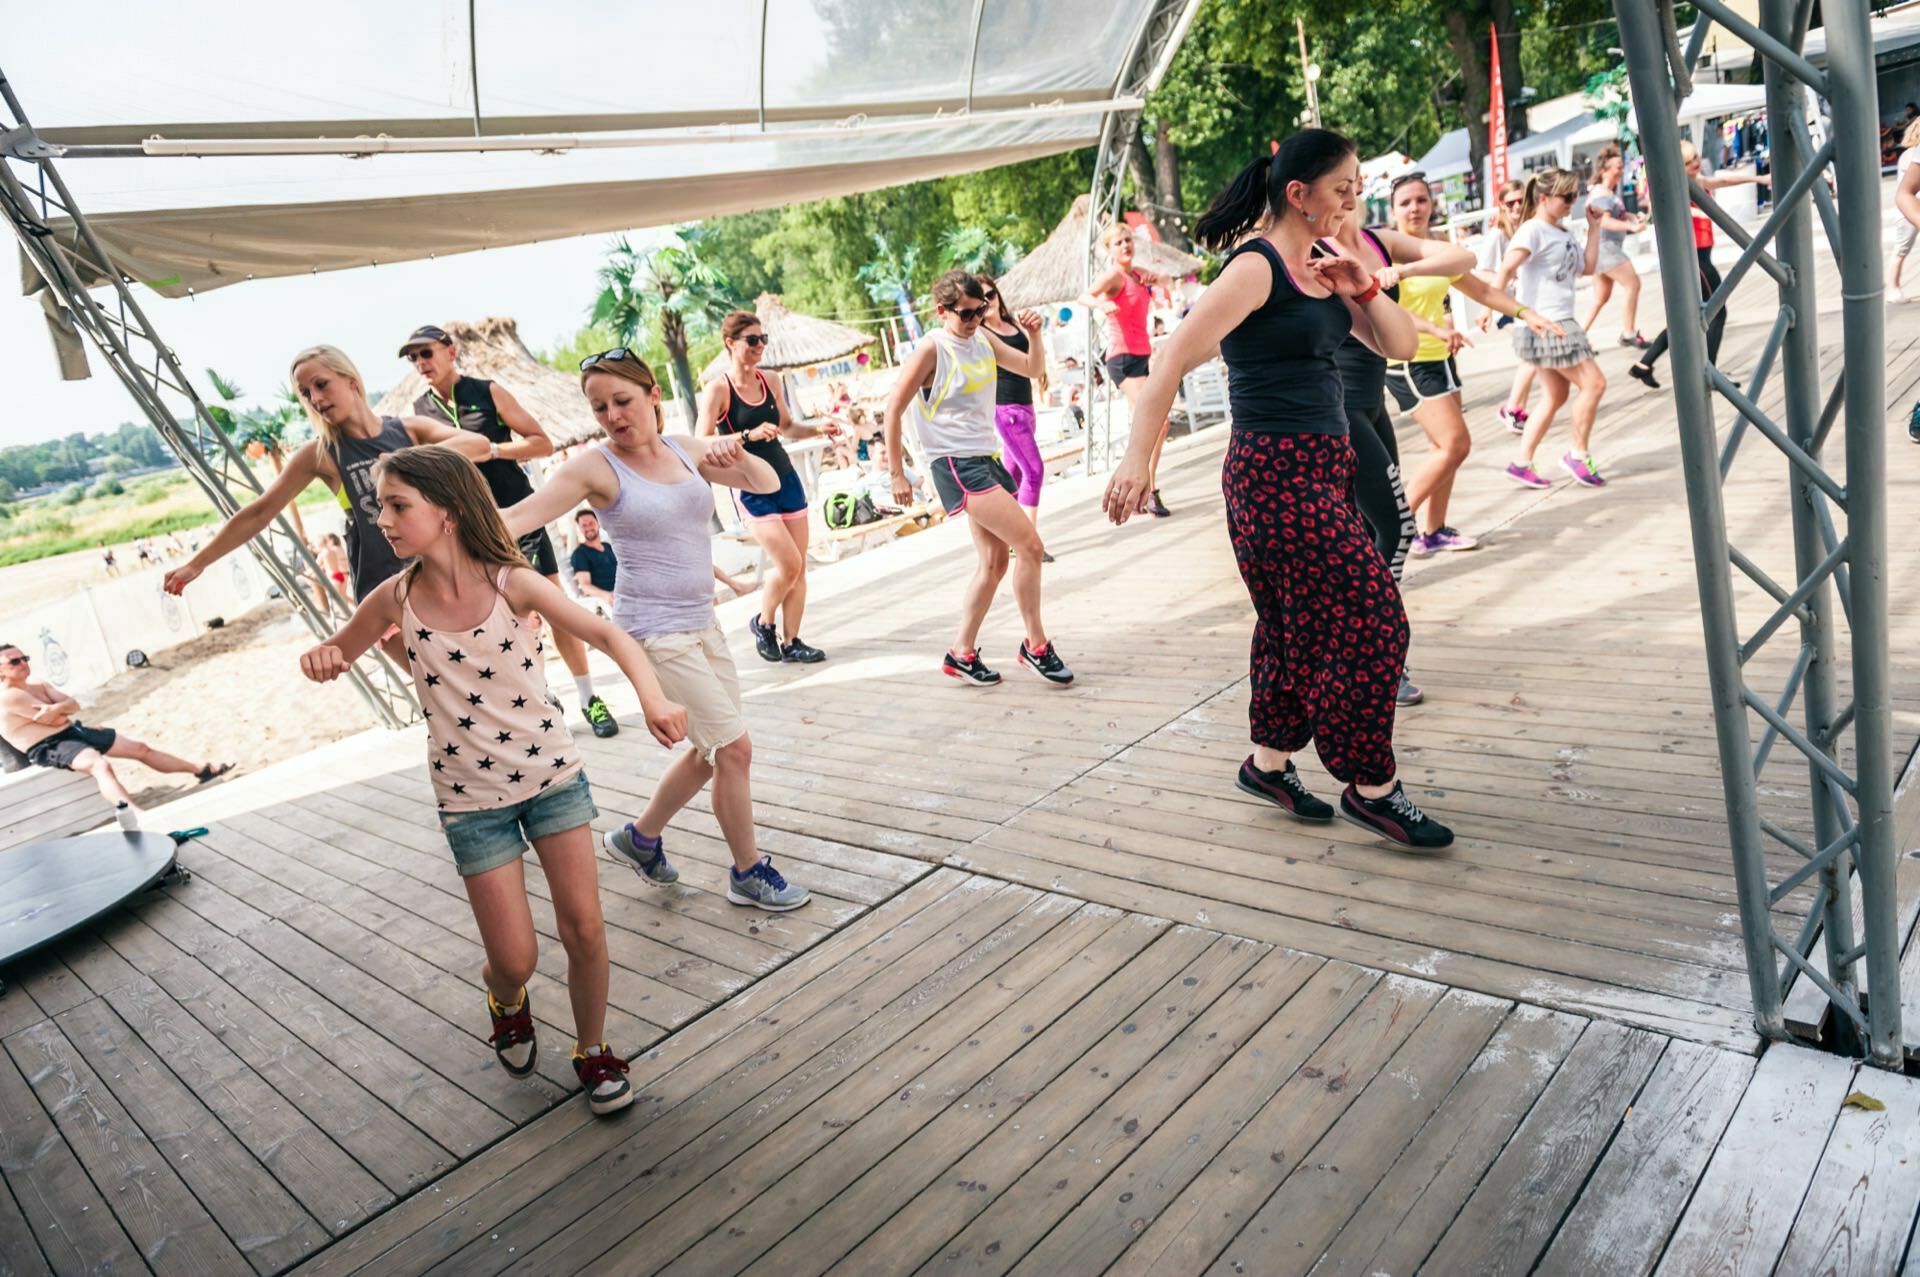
(795, 340)
(492, 349)
(1056, 271)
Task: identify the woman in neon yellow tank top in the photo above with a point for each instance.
(1429, 384)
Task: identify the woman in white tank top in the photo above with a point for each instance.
(948, 387)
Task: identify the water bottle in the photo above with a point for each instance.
(129, 818)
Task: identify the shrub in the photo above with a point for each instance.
(73, 494)
(107, 487)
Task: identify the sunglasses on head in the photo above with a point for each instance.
(1405, 178)
(968, 314)
(618, 355)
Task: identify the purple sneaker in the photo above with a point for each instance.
(1423, 545)
(1516, 418)
(1583, 470)
(1526, 476)
(1446, 538)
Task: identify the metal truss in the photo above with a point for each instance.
(1839, 529)
(56, 238)
(1159, 40)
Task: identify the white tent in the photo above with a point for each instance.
(238, 156)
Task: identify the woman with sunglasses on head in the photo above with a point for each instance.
(746, 402)
(1330, 638)
(949, 383)
(1547, 262)
(1125, 295)
(1429, 384)
(1013, 402)
(1605, 206)
(650, 493)
(1500, 227)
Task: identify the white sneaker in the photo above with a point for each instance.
(1896, 295)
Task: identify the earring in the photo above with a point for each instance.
(1310, 217)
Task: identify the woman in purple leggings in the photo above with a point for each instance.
(1013, 408)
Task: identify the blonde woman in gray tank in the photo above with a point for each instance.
(650, 493)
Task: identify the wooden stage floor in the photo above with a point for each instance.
(1066, 1002)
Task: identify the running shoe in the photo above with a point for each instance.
(603, 1076)
(969, 669)
(1284, 790)
(1158, 508)
(1046, 663)
(1408, 694)
(1643, 373)
(1447, 538)
(1584, 471)
(600, 718)
(804, 653)
(645, 856)
(1635, 340)
(512, 1036)
(1395, 817)
(1516, 418)
(765, 641)
(1045, 557)
(1896, 295)
(1525, 475)
(764, 888)
(1421, 546)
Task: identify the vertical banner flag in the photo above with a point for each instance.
(1497, 123)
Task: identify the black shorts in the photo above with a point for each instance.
(67, 744)
(957, 478)
(538, 547)
(1427, 379)
(1121, 367)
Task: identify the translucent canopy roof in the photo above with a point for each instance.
(577, 117)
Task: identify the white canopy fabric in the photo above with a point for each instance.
(854, 95)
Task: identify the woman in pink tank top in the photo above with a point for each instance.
(1126, 295)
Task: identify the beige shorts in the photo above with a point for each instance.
(696, 670)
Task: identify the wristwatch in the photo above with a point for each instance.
(493, 450)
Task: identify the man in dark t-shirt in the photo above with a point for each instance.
(594, 566)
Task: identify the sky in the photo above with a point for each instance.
(249, 332)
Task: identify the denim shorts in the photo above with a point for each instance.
(483, 840)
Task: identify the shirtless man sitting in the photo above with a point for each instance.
(39, 721)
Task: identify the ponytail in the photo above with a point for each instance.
(1259, 191)
(1552, 181)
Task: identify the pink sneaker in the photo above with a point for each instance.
(1516, 418)
(1583, 470)
(1526, 476)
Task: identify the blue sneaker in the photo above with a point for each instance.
(764, 888)
(645, 856)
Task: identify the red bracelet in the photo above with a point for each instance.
(1373, 290)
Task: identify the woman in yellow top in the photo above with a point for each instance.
(1429, 383)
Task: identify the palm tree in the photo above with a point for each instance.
(261, 431)
(983, 250)
(674, 284)
(889, 278)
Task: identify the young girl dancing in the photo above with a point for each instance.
(505, 771)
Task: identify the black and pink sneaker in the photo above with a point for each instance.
(1395, 817)
(1284, 790)
(969, 669)
(1046, 663)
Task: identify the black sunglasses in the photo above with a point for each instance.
(968, 314)
(1404, 178)
(16, 660)
(756, 340)
(618, 355)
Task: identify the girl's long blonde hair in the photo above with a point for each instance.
(448, 481)
(335, 361)
(1505, 218)
(1553, 181)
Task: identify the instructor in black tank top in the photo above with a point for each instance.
(489, 410)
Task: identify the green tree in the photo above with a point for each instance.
(890, 276)
(675, 286)
(261, 431)
(980, 249)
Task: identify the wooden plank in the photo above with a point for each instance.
(1415, 1202)
(1740, 1215)
(20, 1254)
(1865, 1193)
(244, 1198)
(171, 1229)
(71, 1229)
(1288, 1233)
(426, 1226)
(1621, 1221)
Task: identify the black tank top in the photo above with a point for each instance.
(1281, 374)
(741, 416)
(1363, 374)
(370, 555)
(1012, 387)
(472, 409)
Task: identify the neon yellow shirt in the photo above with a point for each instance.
(1425, 296)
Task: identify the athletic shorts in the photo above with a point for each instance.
(1121, 367)
(538, 547)
(790, 502)
(957, 478)
(1426, 379)
(696, 671)
(495, 836)
(67, 744)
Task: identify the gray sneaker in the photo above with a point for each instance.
(629, 846)
(764, 888)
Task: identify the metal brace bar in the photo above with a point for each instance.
(1759, 577)
(1819, 860)
(973, 50)
(1814, 753)
(1782, 209)
(1736, 232)
(1776, 436)
(1788, 606)
(1776, 52)
(1757, 384)
(1843, 576)
(1828, 415)
(1786, 699)
(1839, 999)
(1785, 839)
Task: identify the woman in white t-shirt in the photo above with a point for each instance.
(1906, 176)
(1547, 261)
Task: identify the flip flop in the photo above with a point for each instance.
(208, 773)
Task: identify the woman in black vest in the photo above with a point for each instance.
(1330, 638)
